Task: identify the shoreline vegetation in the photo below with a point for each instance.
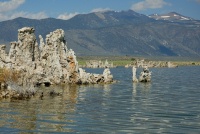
(124, 60)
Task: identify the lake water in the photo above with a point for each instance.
(169, 104)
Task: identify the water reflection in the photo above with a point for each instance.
(45, 115)
(134, 89)
(85, 90)
(169, 104)
(107, 90)
(141, 87)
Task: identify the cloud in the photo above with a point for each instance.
(10, 5)
(100, 10)
(9, 16)
(39, 15)
(7, 11)
(67, 16)
(149, 4)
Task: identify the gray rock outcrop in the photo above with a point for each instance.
(50, 62)
(3, 57)
(99, 64)
(86, 78)
(145, 75)
(107, 75)
(134, 74)
(143, 63)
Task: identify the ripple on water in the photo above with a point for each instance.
(169, 104)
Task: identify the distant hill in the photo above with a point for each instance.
(118, 33)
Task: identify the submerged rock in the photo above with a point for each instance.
(14, 91)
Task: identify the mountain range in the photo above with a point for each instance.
(118, 33)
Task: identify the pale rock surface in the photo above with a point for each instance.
(107, 75)
(145, 75)
(134, 74)
(170, 65)
(86, 78)
(99, 64)
(3, 56)
(142, 63)
(51, 62)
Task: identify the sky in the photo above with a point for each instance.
(66, 9)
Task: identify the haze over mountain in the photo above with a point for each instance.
(118, 33)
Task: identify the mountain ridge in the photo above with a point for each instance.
(116, 33)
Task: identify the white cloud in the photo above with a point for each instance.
(100, 10)
(39, 15)
(10, 5)
(8, 16)
(7, 11)
(149, 4)
(67, 16)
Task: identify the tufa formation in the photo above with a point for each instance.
(49, 62)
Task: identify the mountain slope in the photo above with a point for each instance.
(117, 33)
(140, 40)
(170, 16)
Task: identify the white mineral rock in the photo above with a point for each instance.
(145, 75)
(134, 74)
(50, 62)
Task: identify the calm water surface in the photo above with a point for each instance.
(169, 104)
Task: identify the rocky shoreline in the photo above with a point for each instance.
(48, 63)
